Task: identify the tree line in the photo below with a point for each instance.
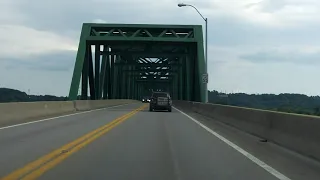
(285, 102)
(12, 95)
(291, 103)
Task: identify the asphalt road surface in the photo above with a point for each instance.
(123, 143)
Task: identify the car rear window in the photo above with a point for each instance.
(160, 95)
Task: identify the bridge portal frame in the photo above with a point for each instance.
(123, 61)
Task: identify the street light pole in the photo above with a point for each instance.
(207, 98)
(206, 44)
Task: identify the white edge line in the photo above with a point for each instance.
(240, 150)
(57, 117)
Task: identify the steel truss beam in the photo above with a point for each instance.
(125, 61)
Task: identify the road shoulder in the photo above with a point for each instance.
(291, 164)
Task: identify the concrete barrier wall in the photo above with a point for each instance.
(12, 113)
(83, 105)
(300, 133)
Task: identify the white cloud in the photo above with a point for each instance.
(99, 21)
(9, 13)
(39, 82)
(19, 41)
(265, 78)
(275, 13)
(291, 69)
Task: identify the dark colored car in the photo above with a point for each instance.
(160, 101)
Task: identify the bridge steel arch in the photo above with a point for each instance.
(128, 61)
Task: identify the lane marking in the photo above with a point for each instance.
(257, 161)
(57, 117)
(175, 161)
(38, 167)
(42, 169)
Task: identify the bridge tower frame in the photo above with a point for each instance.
(125, 61)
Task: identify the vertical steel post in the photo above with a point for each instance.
(91, 74)
(103, 73)
(112, 75)
(97, 71)
(85, 73)
(206, 63)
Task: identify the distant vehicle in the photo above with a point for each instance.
(160, 101)
(145, 99)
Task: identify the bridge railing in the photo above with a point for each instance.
(300, 133)
(20, 112)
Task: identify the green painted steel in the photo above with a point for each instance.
(129, 61)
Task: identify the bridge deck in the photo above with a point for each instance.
(139, 145)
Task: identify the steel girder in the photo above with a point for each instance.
(128, 61)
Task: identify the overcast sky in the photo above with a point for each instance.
(255, 46)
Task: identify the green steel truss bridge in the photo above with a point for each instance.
(128, 61)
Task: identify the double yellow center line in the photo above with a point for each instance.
(38, 167)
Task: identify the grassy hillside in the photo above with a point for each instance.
(12, 95)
